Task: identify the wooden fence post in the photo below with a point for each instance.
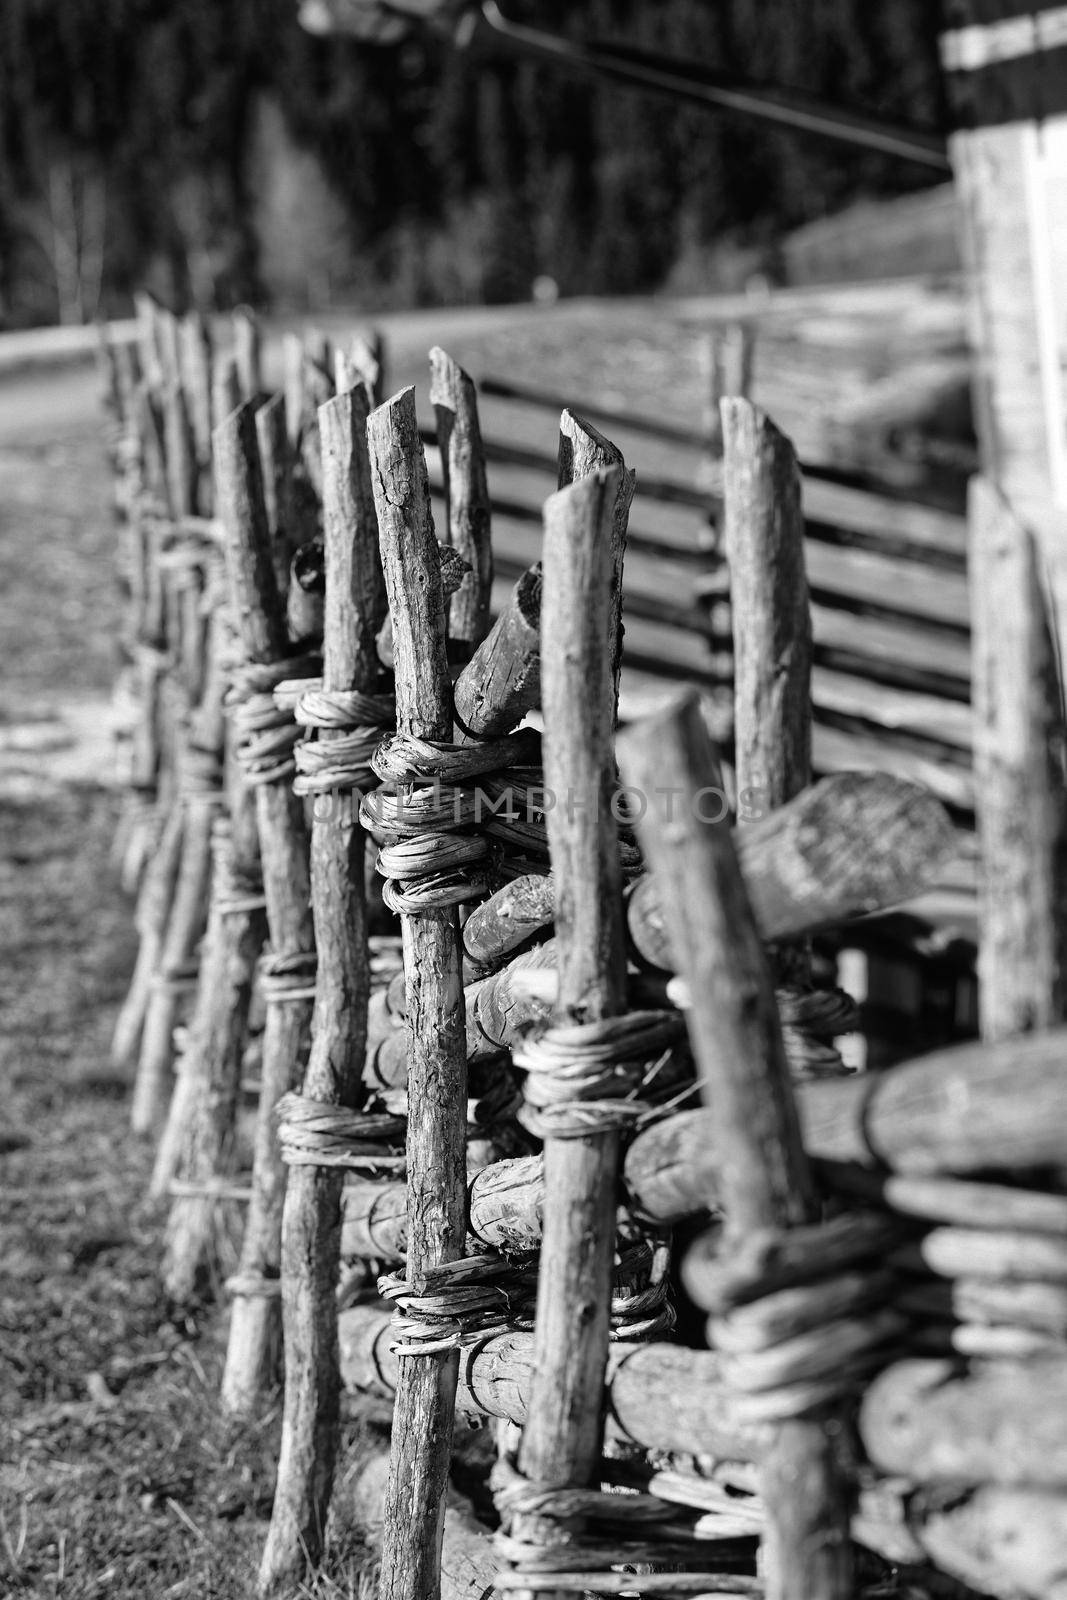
(247, 352)
(355, 608)
(562, 1439)
(582, 450)
(727, 356)
(289, 974)
(437, 1070)
(455, 403)
(763, 1173)
(771, 618)
(1020, 746)
(1005, 78)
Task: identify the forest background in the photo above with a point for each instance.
(217, 153)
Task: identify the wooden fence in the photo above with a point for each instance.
(611, 1015)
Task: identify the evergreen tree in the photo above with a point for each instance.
(462, 175)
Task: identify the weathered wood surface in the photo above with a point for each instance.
(769, 592)
(1020, 783)
(198, 771)
(199, 1143)
(150, 919)
(198, 1140)
(583, 450)
(851, 844)
(247, 351)
(279, 497)
(355, 608)
(972, 1109)
(1009, 157)
(921, 1119)
(505, 1200)
(584, 533)
(468, 1561)
(727, 354)
(657, 1396)
(259, 619)
(517, 912)
(1000, 1423)
(194, 357)
(437, 1069)
(496, 1011)
(764, 1180)
(992, 1538)
(179, 452)
(185, 925)
(1000, 1541)
(455, 402)
(667, 1398)
(225, 386)
(503, 679)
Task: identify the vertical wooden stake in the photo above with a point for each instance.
(1020, 745)
(562, 1437)
(366, 352)
(355, 608)
(293, 385)
(437, 1064)
(769, 596)
(582, 449)
(147, 310)
(195, 362)
(167, 343)
(181, 466)
(727, 372)
(762, 1171)
(259, 619)
(225, 386)
(247, 352)
(185, 924)
(1004, 81)
(771, 621)
(276, 458)
(459, 437)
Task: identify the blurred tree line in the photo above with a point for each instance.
(214, 150)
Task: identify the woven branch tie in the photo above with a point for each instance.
(325, 767)
(266, 734)
(591, 1077)
(430, 867)
(200, 775)
(234, 892)
(287, 979)
(458, 1302)
(793, 1334)
(313, 1133)
(254, 1285)
(670, 1541)
(810, 1019)
(517, 803)
(405, 759)
(643, 1310)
